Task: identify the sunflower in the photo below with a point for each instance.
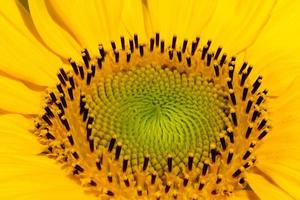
(149, 99)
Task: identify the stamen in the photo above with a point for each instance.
(113, 45)
(81, 72)
(232, 96)
(50, 136)
(157, 39)
(256, 84)
(222, 61)
(122, 43)
(174, 42)
(170, 163)
(126, 181)
(188, 61)
(201, 185)
(53, 97)
(263, 134)
(245, 92)
(63, 73)
(78, 168)
(248, 153)
(117, 56)
(218, 53)
(153, 178)
(118, 151)
(109, 177)
(111, 144)
(249, 130)
(249, 104)
(262, 124)
(216, 68)
(237, 172)
(243, 67)
(91, 145)
(141, 50)
(179, 56)
(60, 89)
(194, 47)
(162, 46)
(125, 164)
(74, 66)
(61, 79)
(128, 56)
(205, 167)
(152, 44)
(209, 58)
(136, 41)
(76, 156)
(230, 155)
(146, 161)
(213, 152)
(131, 45)
(222, 140)
(170, 51)
(46, 119)
(49, 112)
(204, 52)
(190, 161)
(101, 52)
(184, 45)
(70, 138)
(85, 60)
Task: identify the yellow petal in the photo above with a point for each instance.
(279, 155)
(284, 109)
(284, 136)
(161, 15)
(195, 19)
(91, 22)
(287, 178)
(133, 20)
(15, 135)
(182, 18)
(52, 34)
(111, 13)
(17, 98)
(275, 53)
(236, 24)
(232, 24)
(22, 55)
(37, 177)
(283, 148)
(265, 189)
(243, 195)
(26, 175)
(19, 17)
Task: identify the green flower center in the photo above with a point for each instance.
(143, 120)
(156, 112)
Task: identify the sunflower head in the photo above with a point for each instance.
(165, 113)
(158, 120)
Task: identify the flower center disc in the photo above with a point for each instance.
(155, 112)
(143, 120)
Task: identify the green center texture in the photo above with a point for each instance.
(156, 111)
